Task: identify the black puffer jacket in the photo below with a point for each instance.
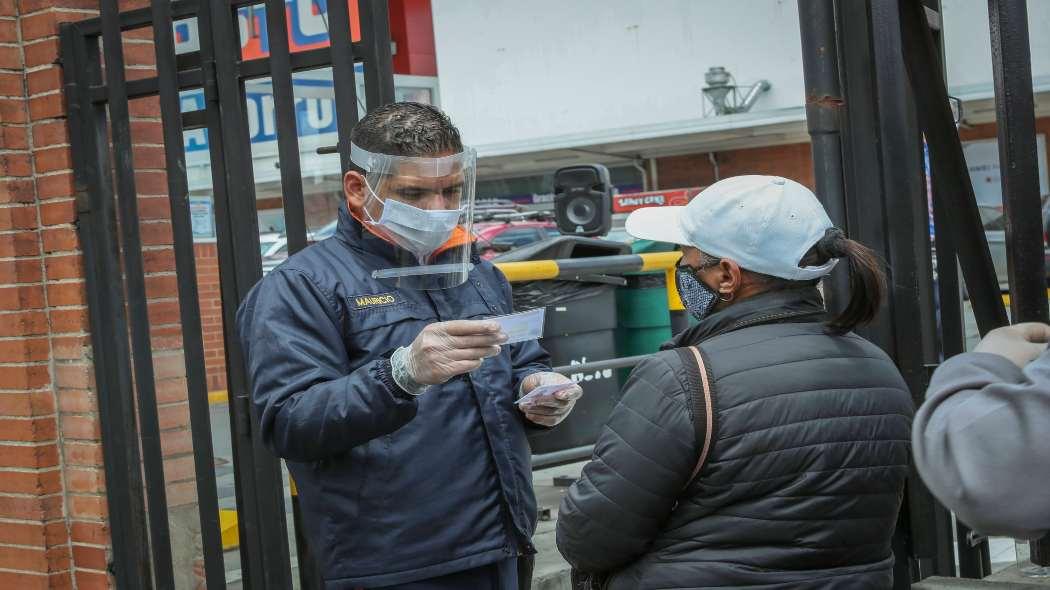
(805, 464)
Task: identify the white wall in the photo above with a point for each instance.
(968, 47)
(512, 70)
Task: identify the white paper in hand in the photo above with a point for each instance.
(542, 393)
(519, 327)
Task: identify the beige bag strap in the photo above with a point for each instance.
(703, 412)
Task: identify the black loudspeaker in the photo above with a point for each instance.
(583, 200)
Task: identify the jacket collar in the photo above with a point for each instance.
(790, 305)
(350, 231)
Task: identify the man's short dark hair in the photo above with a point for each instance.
(407, 129)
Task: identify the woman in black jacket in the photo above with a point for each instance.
(768, 445)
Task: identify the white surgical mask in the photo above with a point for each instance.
(420, 231)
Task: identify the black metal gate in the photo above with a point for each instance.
(876, 98)
(98, 92)
(875, 93)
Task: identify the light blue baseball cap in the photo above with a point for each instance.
(766, 224)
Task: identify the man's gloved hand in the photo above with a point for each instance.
(1019, 343)
(549, 411)
(446, 349)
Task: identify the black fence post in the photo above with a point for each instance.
(189, 307)
(824, 109)
(1019, 173)
(379, 69)
(974, 557)
(265, 558)
(110, 235)
(287, 129)
(97, 228)
(948, 167)
(911, 274)
(343, 78)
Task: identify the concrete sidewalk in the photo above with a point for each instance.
(552, 572)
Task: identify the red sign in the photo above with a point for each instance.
(633, 201)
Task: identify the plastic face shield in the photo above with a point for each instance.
(424, 207)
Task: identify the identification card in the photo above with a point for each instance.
(522, 326)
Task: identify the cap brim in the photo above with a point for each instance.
(660, 224)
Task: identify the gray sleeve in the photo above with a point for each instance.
(982, 442)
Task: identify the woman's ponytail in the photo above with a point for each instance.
(867, 279)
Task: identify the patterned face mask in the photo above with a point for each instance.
(697, 297)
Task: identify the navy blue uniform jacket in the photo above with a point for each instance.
(394, 488)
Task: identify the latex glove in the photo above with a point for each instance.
(1020, 343)
(446, 349)
(549, 411)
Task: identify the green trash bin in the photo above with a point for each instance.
(650, 246)
(643, 320)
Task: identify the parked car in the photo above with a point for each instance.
(497, 237)
(278, 249)
(267, 241)
(995, 232)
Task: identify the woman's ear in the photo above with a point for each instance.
(355, 190)
(730, 278)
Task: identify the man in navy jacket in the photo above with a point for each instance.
(394, 406)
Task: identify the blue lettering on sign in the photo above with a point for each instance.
(309, 22)
(313, 116)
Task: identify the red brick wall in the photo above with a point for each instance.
(50, 458)
(792, 161)
(54, 530)
(211, 314)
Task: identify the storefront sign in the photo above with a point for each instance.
(307, 28)
(634, 201)
(982, 161)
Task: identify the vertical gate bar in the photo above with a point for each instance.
(189, 308)
(911, 274)
(974, 561)
(287, 133)
(865, 205)
(1015, 114)
(379, 68)
(259, 487)
(948, 168)
(343, 77)
(138, 309)
(291, 185)
(866, 214)
(824, 106)
(1019, 166)
(953, 192)
(97, 229)
(310, 577)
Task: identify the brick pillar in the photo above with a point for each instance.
(53, 514)
(53, 532)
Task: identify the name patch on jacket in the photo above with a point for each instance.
(368, 301)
